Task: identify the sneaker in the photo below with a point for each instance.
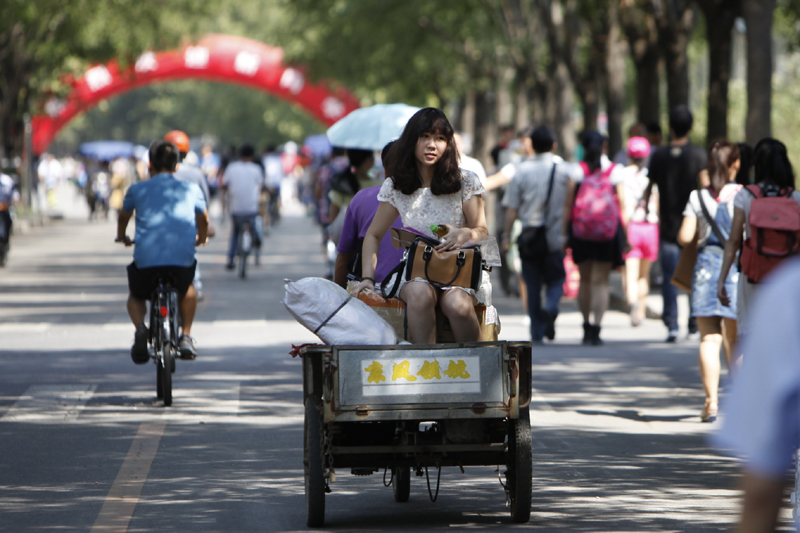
(672, 336)
(187, 348)
(139, 351)
(230, 266)
(200, 296)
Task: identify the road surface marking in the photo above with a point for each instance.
(123, 495)
(50, 404)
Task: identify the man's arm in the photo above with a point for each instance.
(511, 216)
(202, 227)
(760, 504)
(122, 226)
(340, 271)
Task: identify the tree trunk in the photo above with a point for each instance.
(615, 79)
(648, 87)
(720, 17)
(589, 94)
(758, 15)
(675, 25)
(485, 127)
(642, 33)
(561, 106)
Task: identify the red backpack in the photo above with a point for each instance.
(774, 232)
(595, 215)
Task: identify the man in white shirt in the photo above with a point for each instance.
(242, 184)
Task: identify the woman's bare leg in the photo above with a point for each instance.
(420, 299)
(710, 341)
(631, 278)
(729, 332)
(585, 289)
(644, 286)
(599, 299)
(458, 307)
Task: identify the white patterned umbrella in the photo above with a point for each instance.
(371, 128)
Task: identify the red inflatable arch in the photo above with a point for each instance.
(221, 58)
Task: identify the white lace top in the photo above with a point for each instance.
(421, 208)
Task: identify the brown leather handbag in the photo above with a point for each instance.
(453, 268)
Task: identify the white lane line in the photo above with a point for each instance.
(118, 507)
(50, 404)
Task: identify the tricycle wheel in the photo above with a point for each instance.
(520, 466)
(401, 483)
(314, 474)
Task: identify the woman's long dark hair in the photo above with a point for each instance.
(721, 157)
(446, 174)
(772, 164)
(593, 144)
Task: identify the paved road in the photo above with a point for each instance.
(85, 445)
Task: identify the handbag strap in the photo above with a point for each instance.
(710, 220)
(398, 279)
(549, 192)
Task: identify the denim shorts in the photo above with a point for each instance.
(704, 299)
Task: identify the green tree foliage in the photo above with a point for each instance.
(43, 40)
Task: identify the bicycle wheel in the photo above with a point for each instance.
(165, 370)
(314, 466)
(520, 466)
(401, 483)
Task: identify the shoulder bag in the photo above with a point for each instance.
(684, 270)
(532, 242)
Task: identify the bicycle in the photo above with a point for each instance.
(164, 335)
(244, 247)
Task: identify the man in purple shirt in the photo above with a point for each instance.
(357, 219)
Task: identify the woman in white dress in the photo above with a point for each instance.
(427, 187)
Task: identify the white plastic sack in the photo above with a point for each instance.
(333, 315)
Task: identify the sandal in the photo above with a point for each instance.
(709, 411)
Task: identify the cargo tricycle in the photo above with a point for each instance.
(407, 408)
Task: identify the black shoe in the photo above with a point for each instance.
(230, 266)
(186, 345)
(596, 341)
(587, 333)
(139, 351)
(550, 320)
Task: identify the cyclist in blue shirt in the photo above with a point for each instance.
(171, 220)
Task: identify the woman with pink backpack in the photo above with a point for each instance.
(593, 222)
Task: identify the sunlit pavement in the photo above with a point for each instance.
(618, 445)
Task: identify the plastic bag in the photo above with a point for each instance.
(332, 314)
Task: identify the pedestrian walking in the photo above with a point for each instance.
(642, 231)
(593, 209)
(707, 218)
(774, 180)
(535, 196)
(674, 169)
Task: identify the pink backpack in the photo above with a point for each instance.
(595, 214)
